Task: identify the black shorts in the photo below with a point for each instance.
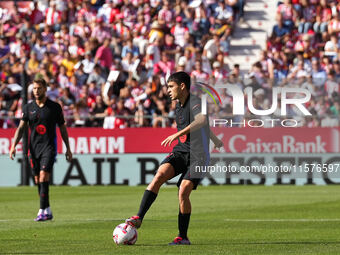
(43, 163)
(186, 167)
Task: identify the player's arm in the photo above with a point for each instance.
(64, 135)
(218, 143)
(199, 121)
(17, 137)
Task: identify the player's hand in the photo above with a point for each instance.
(68, 155)
(12, 153)
(218, 144)
(168, 141)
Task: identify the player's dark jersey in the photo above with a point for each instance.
(196, 142)
(42, 122)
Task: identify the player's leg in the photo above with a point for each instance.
(44, 179)
(184, 207)
(36, 181)
(36, 173)
(184, 196)
(188, 182)
(43, 192)
(46, 165)
(41, 211)
(40, 215)
(165, 172)
(184, 192)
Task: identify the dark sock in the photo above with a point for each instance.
(147, 200)
(48, 195)
(44, 195)
(38, 188)
(183, 224)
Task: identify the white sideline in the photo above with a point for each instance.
(228, 220)
(61, 220)
(283, 220)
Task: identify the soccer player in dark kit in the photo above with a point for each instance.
(42, 115)
(192, 150)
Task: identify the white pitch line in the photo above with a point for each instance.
(228, 220)
(282, 220)
(61, 220)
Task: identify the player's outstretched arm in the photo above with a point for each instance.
(64, 135)
(17, 137)
(217, 142)
(199, 121)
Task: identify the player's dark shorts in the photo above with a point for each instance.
(186, 166)
(43, 163)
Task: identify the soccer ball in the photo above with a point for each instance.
(125, 234)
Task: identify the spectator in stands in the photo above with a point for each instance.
(224, 13)
(36, 16)
(332, 87)
(170, 48)
(279, 30)
(219, 75)
(337, 70)
(68, 63)
(86, 11)
(212, 47)
(4, 50)
(96, 76)
(98, 110)
(198, 75)
(129, 47)
(319, 75)
(307, 17)
(87, 63)
(104, 56)
(288, 14)
(39, 48)
(101, 31)
(332, 47)
(179, 31)
(52, 16)
(32, 66)
(165, 15)
(53, 91)
(165, 66)
(323, 17)
(78, 43)
(334, 24)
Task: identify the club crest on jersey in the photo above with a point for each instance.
(41, 129)
(183, 138)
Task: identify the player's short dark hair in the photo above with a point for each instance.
(181, 77)
(41, 82)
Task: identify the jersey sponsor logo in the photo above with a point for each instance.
(183, 138)
(41, 129)
(33, 112)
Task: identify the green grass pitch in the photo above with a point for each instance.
(225, 220)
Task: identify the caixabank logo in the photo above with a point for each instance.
(286, 96)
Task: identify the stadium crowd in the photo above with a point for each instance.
(303, 51)
(106, 62)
